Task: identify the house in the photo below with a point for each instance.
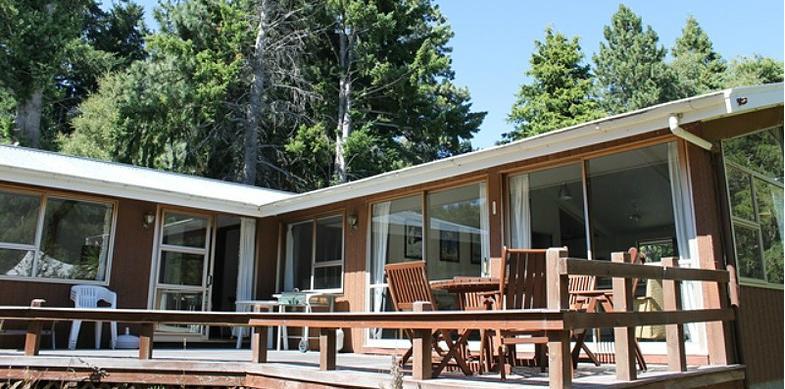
(699, 178)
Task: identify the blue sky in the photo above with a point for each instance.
(494, 38)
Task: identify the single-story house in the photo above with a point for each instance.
(699, 178)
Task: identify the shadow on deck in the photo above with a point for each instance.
(291, 369)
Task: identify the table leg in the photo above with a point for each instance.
(454, 353)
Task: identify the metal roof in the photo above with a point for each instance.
(53, 170)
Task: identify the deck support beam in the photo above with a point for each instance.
(33, 338)
(259, 344)
(624, 337)
(422, 368)
(146, 341)
(327, 350)
(674, 333)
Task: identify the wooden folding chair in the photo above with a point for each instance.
(522, 286)
(577, 284)
(408, 284)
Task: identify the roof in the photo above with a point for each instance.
(35, 167)
(705, 107)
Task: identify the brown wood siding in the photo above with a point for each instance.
(761, 334)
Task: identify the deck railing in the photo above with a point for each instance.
(557, 322)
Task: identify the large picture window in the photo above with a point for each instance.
(754, 178)
(314, 255)
(51, 237)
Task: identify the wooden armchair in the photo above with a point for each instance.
(408, 286)
(522, 286)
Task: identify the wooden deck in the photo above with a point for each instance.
(292, 369)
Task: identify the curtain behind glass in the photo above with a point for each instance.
(520, 230)
(485, 225)
(245, 266)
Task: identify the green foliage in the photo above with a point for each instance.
(559, 94)
(745, 71)
(697, 67)
(630, 68)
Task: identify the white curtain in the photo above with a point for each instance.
(520, 229)
(381, 229)
(684, 219)
(288, 268)
(485, 225)
(245, 264)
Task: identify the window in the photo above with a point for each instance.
(754, 178)
(314, 254)
(52, 237)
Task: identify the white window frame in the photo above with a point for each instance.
(314, 264)
(44, 196)
(751, 224)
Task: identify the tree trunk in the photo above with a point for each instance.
(28, 118)
(256, 101)
(344, 104)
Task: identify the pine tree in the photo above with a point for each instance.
(630, 68)
(745, 71)
(697, 67)
(559, 94)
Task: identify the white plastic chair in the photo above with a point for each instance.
(88, 296)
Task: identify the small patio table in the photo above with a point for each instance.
(464, 287)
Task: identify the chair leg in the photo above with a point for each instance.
(54, 346)
(113, 329)
(98, 328)
(639, 357)
(72, 338)
(502, 363)
(406, 356)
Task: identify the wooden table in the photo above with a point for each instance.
(469, 291)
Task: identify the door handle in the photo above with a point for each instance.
(210, 280)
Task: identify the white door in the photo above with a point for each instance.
(184, 271)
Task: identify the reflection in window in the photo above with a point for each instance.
(74, 237)
(455, 232)
(754, 174)
(314, 254)
(546, 210)
(630, 200)
(185, 230)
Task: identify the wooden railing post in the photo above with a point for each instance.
(422, 368)
(674, 333)
(259, 344)
(33, 335)
(559, 356)
(327, 350)
(624, 337)
(146, 341)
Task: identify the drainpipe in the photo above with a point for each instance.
(676, 129)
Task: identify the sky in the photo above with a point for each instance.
(494, 38)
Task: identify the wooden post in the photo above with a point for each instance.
(624, 337)
(33, 338)
(327, 351)
(146, 341)
(674, 333)
(559, 356)
(259, 344)
(422, 368)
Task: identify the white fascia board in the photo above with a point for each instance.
(709, 106)
(79, 184)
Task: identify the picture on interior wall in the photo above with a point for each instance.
(449, 246)
(475, 250)
(412, 241)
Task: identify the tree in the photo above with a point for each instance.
(559, 94)
(395, 101)
(630, 68)
(753, 70)
(697, 67)
(34, 38)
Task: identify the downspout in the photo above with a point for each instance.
(677, 130)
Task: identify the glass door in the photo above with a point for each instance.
(184, 270)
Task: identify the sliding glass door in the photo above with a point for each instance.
(184, 271)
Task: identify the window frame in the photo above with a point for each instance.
(314, 264)
(752, 224)
(44, 196)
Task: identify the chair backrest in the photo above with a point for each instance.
(522, 278)
(88, 296)
(580, 283)
(408, 283)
